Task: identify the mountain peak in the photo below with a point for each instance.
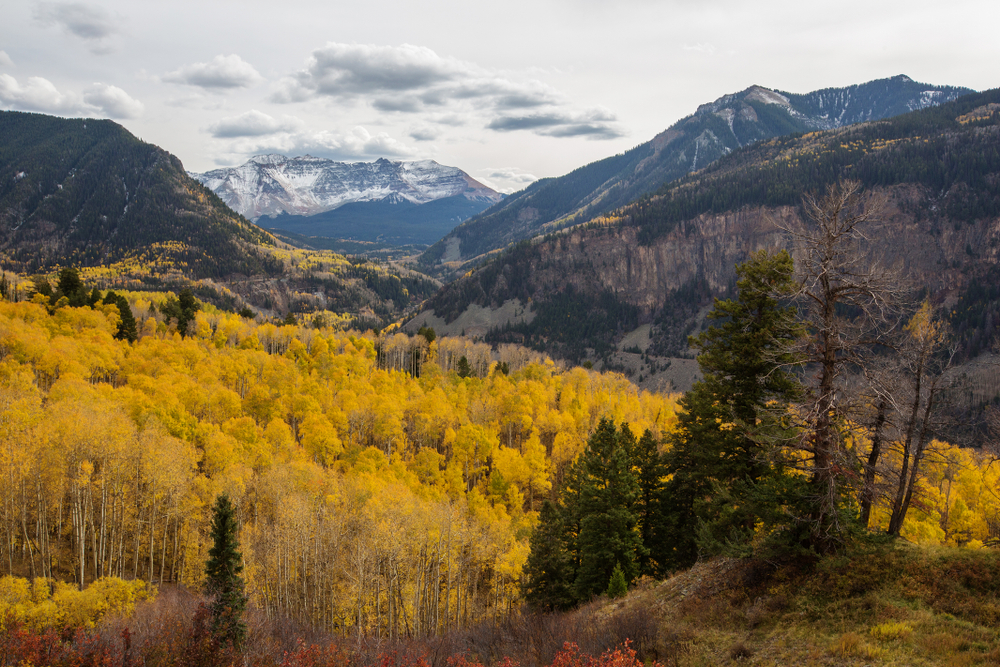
(268, 185)
(269, 158)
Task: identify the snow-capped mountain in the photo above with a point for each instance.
(269, 185)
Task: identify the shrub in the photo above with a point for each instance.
(45, 603)
(891, 630)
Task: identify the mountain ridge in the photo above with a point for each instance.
(662, 259)
(714, 130)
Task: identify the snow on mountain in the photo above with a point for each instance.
(267, 185)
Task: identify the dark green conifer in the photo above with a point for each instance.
(608, 520)
(127, 329)
(71, 287)
(650, 473)
(223, 569)
(549, 572)
(187, 306)
(40, 285)
(725, 462)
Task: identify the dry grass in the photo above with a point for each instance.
(898, 605)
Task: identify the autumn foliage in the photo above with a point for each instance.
(369, 498)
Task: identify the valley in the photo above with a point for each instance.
(655, 406)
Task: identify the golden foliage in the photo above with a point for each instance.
(369, 498)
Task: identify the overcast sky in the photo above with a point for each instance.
(508, 91)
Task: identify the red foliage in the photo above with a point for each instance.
(20, 645)
(622, 656)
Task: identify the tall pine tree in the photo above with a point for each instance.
(609, 534)
(223, 569)
(650, 474)
(728, 476)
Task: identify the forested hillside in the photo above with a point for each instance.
(715, 130)
(662, 259)
(87, 192)
(383, 483)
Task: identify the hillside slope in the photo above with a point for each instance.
(87, 192)
(661, 260)
(714, 130)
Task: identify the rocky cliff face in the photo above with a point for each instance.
(268, 185)
(669, 283)
(709, 247)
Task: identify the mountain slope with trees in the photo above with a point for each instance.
(662, 259)
(86, 192)
(714, 130)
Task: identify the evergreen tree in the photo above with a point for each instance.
(617, 587)
(727, 474)
(223, 570)
(40, 285)
(608, 519)
(71, 287)
(549, 571)
(127, 329)
(650, 473)
(188, 307)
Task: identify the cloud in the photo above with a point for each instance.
(91, 23)
(707, 49)
(112, 101)
(357, 145)
(253, 123)
(700, 47)
(38, 94)
(348, 70)
(223, 72)
(505, 179)
(412, 79)
(405, 78)
(424, 133)
(5, 60)
(595, 124)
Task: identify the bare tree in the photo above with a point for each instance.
(926, 365)
(849, 300)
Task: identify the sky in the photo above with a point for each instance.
(507, 91)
